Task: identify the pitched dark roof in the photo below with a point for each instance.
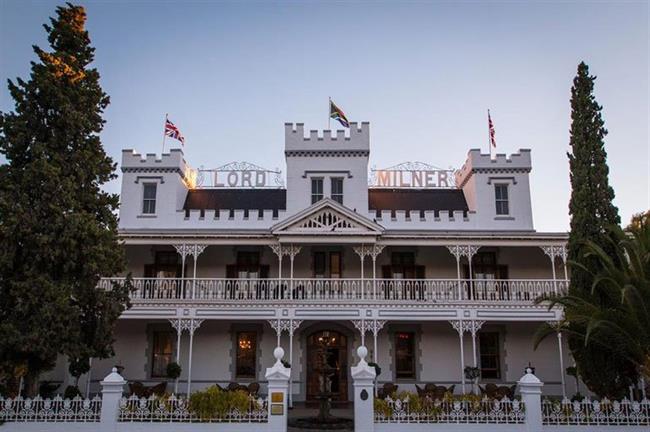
(237, 199)
(416, 199)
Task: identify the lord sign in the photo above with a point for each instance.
(239, 175)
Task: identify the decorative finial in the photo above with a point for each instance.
(362, 352)
(114, 370)
(278, 353)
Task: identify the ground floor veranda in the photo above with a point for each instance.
(409, 353)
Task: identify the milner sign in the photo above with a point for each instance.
(417, 175)
(242, 175)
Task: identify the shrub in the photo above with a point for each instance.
(377, 368)
(173, 370)
(382, 408)
(213, 402)
(71, 392)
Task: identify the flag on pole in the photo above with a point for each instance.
(172, 131)
(337, 114)
(493, 141)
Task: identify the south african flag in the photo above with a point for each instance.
(337, 114)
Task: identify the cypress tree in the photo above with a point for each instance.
(58, 228)
(592, 213)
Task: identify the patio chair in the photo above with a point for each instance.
(253, 388)
(158, 389)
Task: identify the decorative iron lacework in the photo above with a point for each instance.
(50, 410)
(593, 412)
(328, 220)
(176, 409)
(485, 411)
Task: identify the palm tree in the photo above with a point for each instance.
(614, 315)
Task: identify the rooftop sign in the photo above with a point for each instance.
(416, 175)
(239, 175)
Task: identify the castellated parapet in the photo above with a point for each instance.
(135, 162)
(482, 162)
(358, 138)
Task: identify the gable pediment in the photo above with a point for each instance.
(327, 217)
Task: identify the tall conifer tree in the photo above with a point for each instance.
(592, 213)
(58, 229)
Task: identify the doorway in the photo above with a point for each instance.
(327, 353)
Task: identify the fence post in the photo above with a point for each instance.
(112, 387)
(530, 388)
(363, 377)
(278, 378)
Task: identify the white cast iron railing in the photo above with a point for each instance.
(50, 410)
(176, 409)
(485, 411)
(344, 290)
(592, 412)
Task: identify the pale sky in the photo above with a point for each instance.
(422, 73)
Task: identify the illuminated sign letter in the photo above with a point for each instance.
(260, 178)
(429, 181)
(216, 180)
(232, 178)
(442, 179)
(416, 178)
(383, 178)
(246, 178)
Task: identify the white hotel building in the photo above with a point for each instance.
(432, 270)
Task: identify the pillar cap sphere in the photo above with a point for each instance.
(362, 352)
(278, 353)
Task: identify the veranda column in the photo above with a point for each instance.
(280, 251)
(293, 326)
(277, 326)
(363, 326)
(376, 250)
(474, 327)
(557, 327)
(459, 326)
(176, 325)
(563, 256)
(196, 251)
(192, 324)
(551, 252)
(362, 251)
(183, 250)
(455, 251)
(377, 325)
(293, 251)
(469, 252)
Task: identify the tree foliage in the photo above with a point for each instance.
(58, 228)
(620, 328)
(605, 370)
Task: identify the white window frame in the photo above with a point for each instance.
(501, 200)
(322, 189)
(146, 200)
(332, 194)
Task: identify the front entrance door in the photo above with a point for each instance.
(327, 354)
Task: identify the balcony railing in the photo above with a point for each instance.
(340, 290)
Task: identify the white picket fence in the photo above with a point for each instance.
(50, 410)
(177, 409)
(596, 413)
(485, 411)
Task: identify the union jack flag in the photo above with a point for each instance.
(172, 131)
(493, 141)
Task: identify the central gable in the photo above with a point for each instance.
(327, 217)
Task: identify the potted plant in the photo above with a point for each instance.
(472, 374)
(173, 370)
(377, 368)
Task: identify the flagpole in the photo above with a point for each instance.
(164, 133)
(329, 112)
(489, 135)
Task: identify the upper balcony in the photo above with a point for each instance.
(355, 291)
